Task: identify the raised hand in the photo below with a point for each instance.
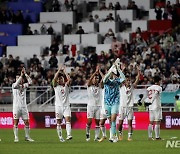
(23, 71)
(123, 66)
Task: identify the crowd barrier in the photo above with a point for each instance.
(171, 120)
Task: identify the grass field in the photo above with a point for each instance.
(46, 142)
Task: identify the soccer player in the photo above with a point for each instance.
(155, 110)
(94, 105)
(112, 80)
(62, 105)
(103, 118)
(19, 104)
(126, 105)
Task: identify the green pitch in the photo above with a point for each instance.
(46, 142)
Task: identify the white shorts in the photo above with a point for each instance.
(93, 112)
(61, 111)
(155, 115)
(126, 112)
(103, 113)
(20, 112)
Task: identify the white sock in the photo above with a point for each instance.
(15, 129)
(157, 130)
(110, 133)
(150, 129)
(59, 130)
(120, 132)
(27, 130)
(97, 132)
(68, 128)
(129, 135)
(103, 129)
(87, 129)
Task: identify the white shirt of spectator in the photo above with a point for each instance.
(61, 95)
(95, 94)
(126, 96)
(154, 96)
(19, 93)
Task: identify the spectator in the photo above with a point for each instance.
(19, 17)
(50, 30)
(96, 19)
(91, 18)
(93, 58)
(110, 7)
(80, 30)
(117, 6)
(55, 6)
(34, 60)
(108, 36)
(74, 5)
(115, 46)
(109, 17)
(53, 61)
(29, 31)
(103, 6)
(54, 48)
(44, 63)
(43, 29)
(80, 59)
(158, 12)
(102, 58)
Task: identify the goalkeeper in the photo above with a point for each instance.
(112, 81)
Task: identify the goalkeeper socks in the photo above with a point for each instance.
(59, 130)
(15, 129)
(97, 131)
(157, 130)
(113, 128)
(103, 129)
(110, 133)
(150, 129)
(68, 128)
(27, 130)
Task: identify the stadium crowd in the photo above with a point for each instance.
(158, 55)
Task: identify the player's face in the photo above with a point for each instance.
(95, 79)
(128, 82)
(60, 80)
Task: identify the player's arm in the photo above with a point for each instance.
(89, 82)
(54, 81)
(137, 77)
(107, 75)
(15, 85)
(67, 77)
(120, 66)
(102, 77)
(27, 77)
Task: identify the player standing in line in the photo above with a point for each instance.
(155, 110)
(19, 104)
(126, 105)
(62, 105)
(103, 118)
(112, 80)
(94, 88)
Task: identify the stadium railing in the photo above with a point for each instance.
(41, 99)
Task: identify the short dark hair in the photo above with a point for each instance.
(157, 79)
